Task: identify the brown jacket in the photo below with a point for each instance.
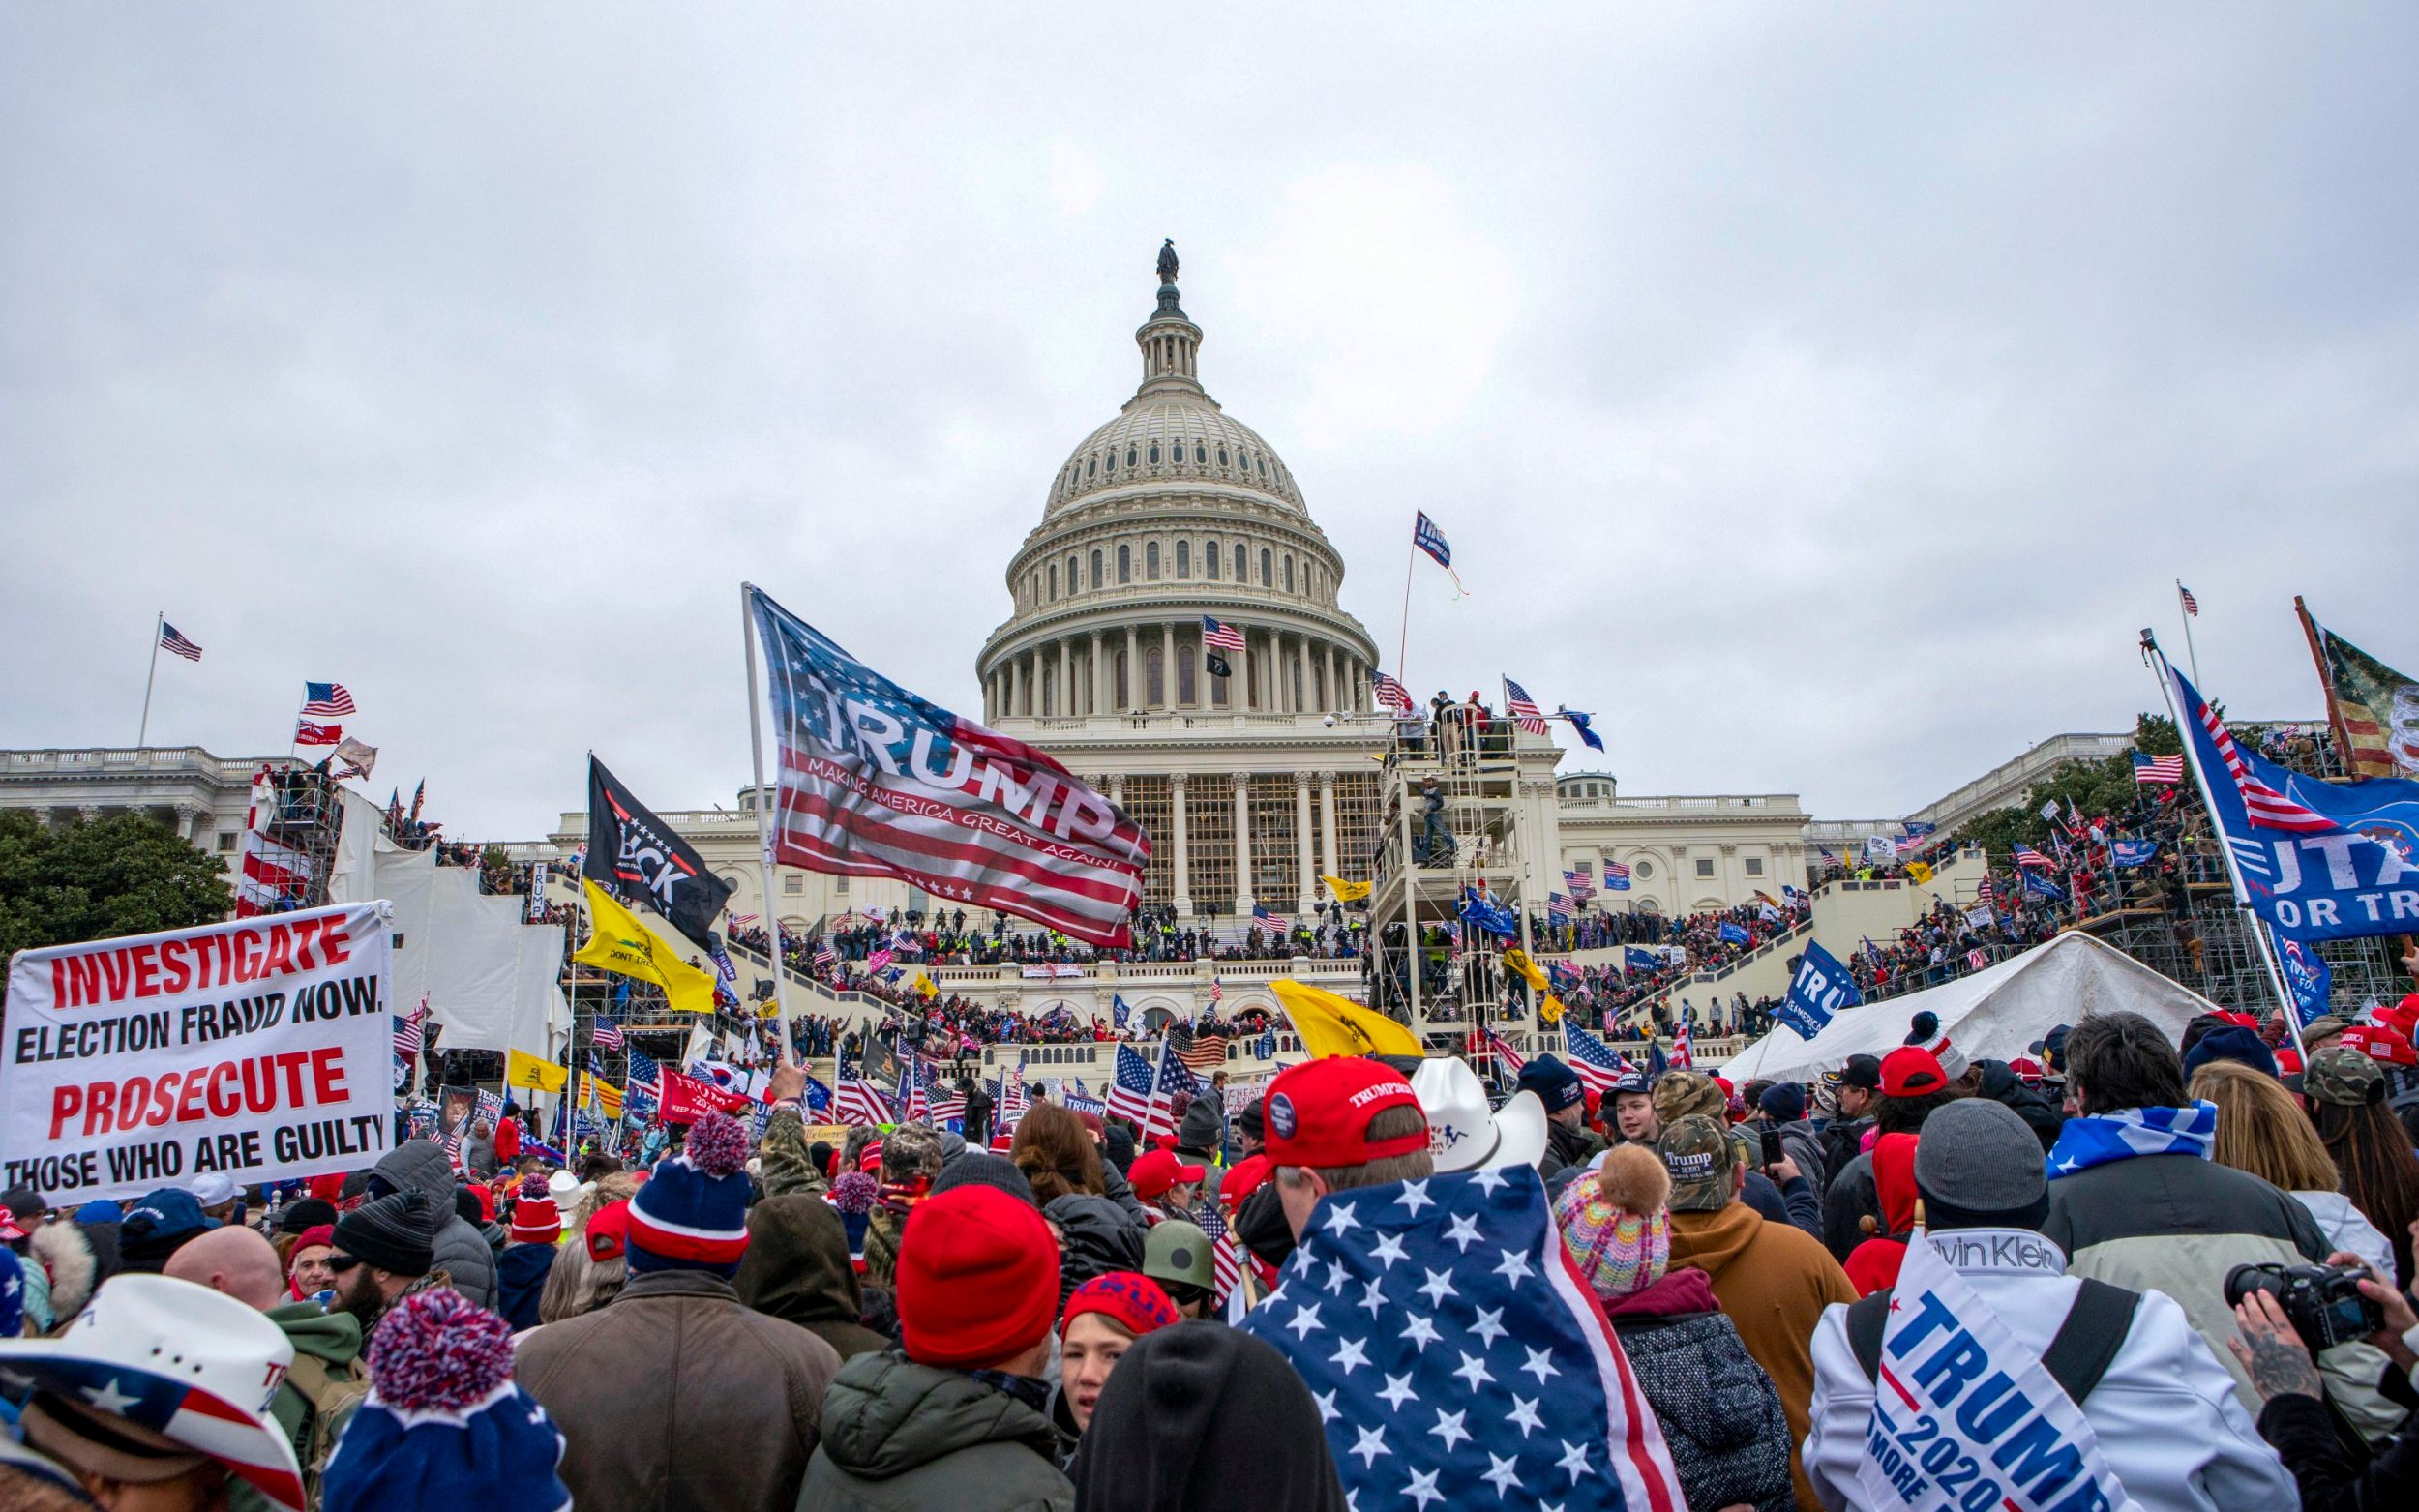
(1774, 1281)
(677, 1397)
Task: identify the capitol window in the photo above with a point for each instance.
(1151, 560)
(1113, 459)
(1126, 564)
(1074, 576)
(1644, 869)
(1091, 466)
(1096, 569)
(1755, 865)
(1222, 456)
(1289, 575)
(1209, 558)
(1155, 454)
(1268, 575)
(1184, 558)
(1200, 454)
(1054, 580)
(1242, 573)
(1129, 456)
(1705, 865)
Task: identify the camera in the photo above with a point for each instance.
(2321, 1302)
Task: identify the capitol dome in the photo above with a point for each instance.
(1169, 513)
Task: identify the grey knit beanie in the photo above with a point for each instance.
(1976, 1160)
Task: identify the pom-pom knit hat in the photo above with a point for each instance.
(692, 1213)
(1616, 1225)
(536, 1219)
(444, 1425)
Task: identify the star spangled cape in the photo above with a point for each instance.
(1456, 1358)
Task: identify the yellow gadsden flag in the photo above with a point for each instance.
(1345, 892)
(1517, 960)
(1918, 871)
(1333, 1025)
(618, 942)
(524, 1070)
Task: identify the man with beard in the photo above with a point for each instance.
(1569, 1141)
(385, 1250)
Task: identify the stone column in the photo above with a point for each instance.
(1327, 825)
(1301, 841)
(41, 815)
(1201, 673)
(1099, 673)
(188, 816)
(1335, 690)
(1167, 665)
(1184, 878)
(1243, 898)
(1133, 689)
(1015, 686)
(1065, 676)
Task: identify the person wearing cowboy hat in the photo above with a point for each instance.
(156, 1396)
(1464, 1134)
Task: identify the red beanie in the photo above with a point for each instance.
(977, 1276)
(1127, 1298)
(1911, 1071)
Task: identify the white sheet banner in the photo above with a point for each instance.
(1966, 1417)
(257, 1048)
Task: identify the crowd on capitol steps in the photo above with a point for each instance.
(2130, 1270)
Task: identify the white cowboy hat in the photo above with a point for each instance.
(193, 1369)
(1463, 1134)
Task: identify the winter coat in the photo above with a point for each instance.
(2346, 1228)
(796, 1268)
(675, 1397)
(899, 1437)
(1098, 1238)
(2003, 1086)
(521, 1273)
(64, 1253)
(1719, 1414)
(462, 1251)
(2329, 1480)
(1566, 1145)
(334, 1340)
(1117, 1189)
(1205, 1415)
(1803, 1143)
(2177, 1223)
(1774, 1281)
(1843, 1140)
(2166, 1421)
(1851, 1199)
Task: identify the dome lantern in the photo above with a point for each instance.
(1171, 342)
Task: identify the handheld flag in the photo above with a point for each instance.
(631, 849)
(1821, 988)
(1391, 695)
(2371, 705)
(619, 943)
(1334, 1026)
(1345, 892)
(524, 1070)
(1587, 733)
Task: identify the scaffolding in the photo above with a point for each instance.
(2194, 932)
(297, 816)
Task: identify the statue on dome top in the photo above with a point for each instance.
(1167, 260)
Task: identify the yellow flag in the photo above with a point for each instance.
(1345, 892)
(1918, 871)
(601, 1095)
(619, 943)
(1551, 1010)
(925, 985)
(1517, 960)
(524, 1070)
(1333, 1025)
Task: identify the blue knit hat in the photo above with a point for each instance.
(1556, 1084)
(444, 1425)
(693, 1212)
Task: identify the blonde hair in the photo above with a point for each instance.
(2262, 1130)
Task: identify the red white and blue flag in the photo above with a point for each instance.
(1558, 907)
(2153, 771)
(307, 733)
(1129, 1092)
(1261, 916)
(1616, 877)
(1391, 695)
(2026, 855)
(1524, 708)
(326, 700)
(2192, 606)
(1501, 1048)
(1220, 636)
(878, 781)
(176, 645)
(1599, 1065)
(858, 1101)
(607, 1034)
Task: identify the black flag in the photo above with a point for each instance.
(639, 856)
(1218, 666)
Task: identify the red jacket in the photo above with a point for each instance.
(507, 1142)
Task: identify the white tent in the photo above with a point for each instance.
(1995, 1013)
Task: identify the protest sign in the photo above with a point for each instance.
(253, 1048)
(687, 1099)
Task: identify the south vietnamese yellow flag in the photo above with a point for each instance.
(1345, 892)
(618, 942)
(601, 1095)
(1918, 871)
(524, 1070)
(1333, 1025)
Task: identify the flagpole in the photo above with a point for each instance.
(2190, 655)
(1402, 645)
(159, 627)
(2200, 780)
(765, 827)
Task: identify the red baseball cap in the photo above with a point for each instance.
(1911, 1071)
(2379, 1043)
(1318, 1113)
(1152, 1174)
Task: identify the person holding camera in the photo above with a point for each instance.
(2275, 1313)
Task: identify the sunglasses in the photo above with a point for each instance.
(341, 1263)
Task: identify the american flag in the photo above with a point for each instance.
(1014, 831)
(825, 956)
(1391, 695)
(1501, 1048)
(407, 1034)
(740, 921)
(1173, 1078)
(644, 1071)
(1987, 895)
(326, 700)
(1681, 1052)
(2263, 804)
(1616, 877)
(2026, 855)
(1598, 1067)
(1558, 907)
(1524, 708)
(1220, 637)
(1977, 959)
(943, 1101)
(1497, 1374)
(2192, 606)
(1129, 1094)
(1203, 1051)
(2153, 771)
(1261, 916)
(1580, 879)
(1013, 1099)
(858, 1101)
(170, 641)
(1224, 1257)
(608, 1035)
(307, 733)
(1217, 993)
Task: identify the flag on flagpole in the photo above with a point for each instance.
(1391, 695)
(2192, 606)
(1261, 916)
(1616, 876)
(326, 700)
(1223, 637)
(176, 645)
(307, 733)
(1524, 709)
(2157, 771)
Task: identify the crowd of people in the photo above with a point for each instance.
(1314, 1299)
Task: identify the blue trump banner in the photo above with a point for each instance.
(1822, 988)
(2308, 976)
(1731, 935)
(2126, 853)
(1638, 957)
(2316, 860)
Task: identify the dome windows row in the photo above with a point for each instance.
(1048, 584)
(1102, 466)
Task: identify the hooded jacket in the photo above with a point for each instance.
(1117, 1189)
(1843, 1140)
(2003, 1086)
(796, 1268)
(521, 1273)
(1720, 1414)
(783, 1163)
(899, 1437)
(334, 1340)
(2164, 1411)
(462, 1253)
(1098, 1237)
(1200, 1417)
(1774, 1281)
(1803, 1143)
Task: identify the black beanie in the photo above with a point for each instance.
(396, 1234)
(308, 1212)
(979, 1168)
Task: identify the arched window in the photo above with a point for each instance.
(1154, 679)
(1129, 456)
(1155, 454)
(1222, 456)
(1264, 465)
(1151, 560)
(1242, 572)
(1113, 459)
(1091, 466)
(1289, 575)
(1209, 558)
(1126, 564)
(1268, 572)
(1054, 580)
(1183, 559)
(1074, 577)
(1200, 453)
(1095, 567)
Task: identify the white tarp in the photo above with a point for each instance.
(1996, 1014)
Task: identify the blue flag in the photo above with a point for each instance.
(818, 1095)
(1656, 1062)
(2037, 886)
(1427, 538)
(1490, 917)
(2317, 860)
(1731, 935)
(1822, 988)
(1119, 1012)
(2307, 976)
(2127, 853)
(1265, 1047)
(1638, 957)
(1579, 723)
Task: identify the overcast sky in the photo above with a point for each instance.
(1824, 395)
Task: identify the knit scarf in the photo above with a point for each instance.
(2094, 1141)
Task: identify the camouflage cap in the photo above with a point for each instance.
(2343, 1076)
(1680, 1093)
(1698, 1152)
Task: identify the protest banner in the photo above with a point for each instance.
(253, 1048)
(687, 1099)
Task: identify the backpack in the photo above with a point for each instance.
(2087, 1344)
(331, 1394)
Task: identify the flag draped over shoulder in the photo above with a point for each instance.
(1334, 1026)
(620, 943)
(630, 850)
(1456, 1359)
(878, 782)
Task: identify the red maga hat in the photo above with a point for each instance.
(1318, 1113)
